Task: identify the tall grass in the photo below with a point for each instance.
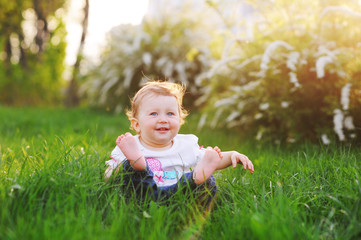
(51, 186)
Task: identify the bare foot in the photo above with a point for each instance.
(206, 166)
(218, 150)
(129, 147)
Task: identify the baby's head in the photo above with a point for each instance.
(158, 88)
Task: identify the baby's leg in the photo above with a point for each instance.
(128, 145)
(205, 168)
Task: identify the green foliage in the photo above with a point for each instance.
(32, 48)
(51, 186)
(297, 78)
(163, 47)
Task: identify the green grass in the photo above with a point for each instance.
(51, 186)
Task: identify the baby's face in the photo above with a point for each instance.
(157, 121)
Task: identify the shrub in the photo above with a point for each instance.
(163, 47)
(297, 78)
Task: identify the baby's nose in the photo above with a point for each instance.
(163, 118)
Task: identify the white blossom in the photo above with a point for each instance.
(202, 121)
(259, 134)
(168, 69)
(221, 63)
(269, 50)
(345, 96)
(258, 116)
(348, 123)
(325, 139)
(118, 108)
(324, 51)
(320, 65)
(224, 102)
(216, 117)
(147, 58)
(338, 124)
(294, 80)
(248, 61)
(342, 9)
(160, 62)
(109, 84)
(228, 46)
(292, 60)
(285, 104)
(233, 116)
(181, 69)
(15, 186)
(291, 140)
(241, 105)
(303, 62)
(264, 106)
(341, 73)
(250, 86)
(200, 77)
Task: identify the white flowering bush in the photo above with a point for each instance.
(163, 47)
(299, 77)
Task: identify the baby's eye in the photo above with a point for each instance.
(170, 114)
(153, 114)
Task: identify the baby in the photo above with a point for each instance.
(158, 157)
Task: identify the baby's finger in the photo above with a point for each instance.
(234, 162)
(243, 160)
(245, 164)
(250, 166)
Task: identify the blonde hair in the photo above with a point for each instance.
(159, 88)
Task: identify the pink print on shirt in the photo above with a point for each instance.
(159, 174)
(156, 166)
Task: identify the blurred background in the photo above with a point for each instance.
(274, 70)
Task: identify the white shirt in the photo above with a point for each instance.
(169, 165)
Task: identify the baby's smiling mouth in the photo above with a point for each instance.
(162, 129)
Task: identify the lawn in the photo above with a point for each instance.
(51, 186)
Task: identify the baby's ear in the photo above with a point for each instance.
(135, 125)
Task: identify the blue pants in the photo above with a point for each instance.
(145, 186)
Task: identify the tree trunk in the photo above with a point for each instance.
(72, 98)
(42, 33)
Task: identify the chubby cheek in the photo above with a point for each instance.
(175, 125)
(148, 126)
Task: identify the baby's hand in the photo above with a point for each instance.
(243, 159)
(108, 173)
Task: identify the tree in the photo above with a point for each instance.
(32, 42)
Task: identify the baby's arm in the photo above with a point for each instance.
(233, 158)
